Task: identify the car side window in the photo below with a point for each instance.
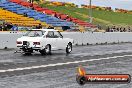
(50, 34)
(57, 34)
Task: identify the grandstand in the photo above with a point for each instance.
(19, 20)
(19, 9)
(15, 15)
(13, 11)
(54, 13)
(62, 17)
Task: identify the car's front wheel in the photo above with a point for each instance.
(69, 48)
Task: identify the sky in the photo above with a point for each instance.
(124, 4)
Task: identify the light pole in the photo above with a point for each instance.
(90, 11)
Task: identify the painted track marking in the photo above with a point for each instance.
(60, 64)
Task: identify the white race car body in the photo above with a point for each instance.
(37, 39)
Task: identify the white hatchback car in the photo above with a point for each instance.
(44, 41)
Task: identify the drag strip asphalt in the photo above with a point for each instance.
(59, 70)
(61, 64)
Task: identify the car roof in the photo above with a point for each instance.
(45, 29)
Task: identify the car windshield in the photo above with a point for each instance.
(35, 33)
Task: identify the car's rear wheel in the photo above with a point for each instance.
(46, 50)
(42, 52)
(69, 48)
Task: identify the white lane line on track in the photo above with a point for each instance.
(60, 64)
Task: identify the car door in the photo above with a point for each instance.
(60, 42)
(51, 40)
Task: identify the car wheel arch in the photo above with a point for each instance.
(69, 43)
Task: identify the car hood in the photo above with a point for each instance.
(25, 38)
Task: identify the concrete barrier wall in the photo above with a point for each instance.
(98, 37)
(8, 39)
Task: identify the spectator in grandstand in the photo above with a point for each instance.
(108, 29)
(129, 29)
(25, 14)
(66, 17)
(117, 30)
(4, 26)
(14, 28)
(113, 27)
(99, 26)
(124, 30)
(50, 27)
(9, 26)
(55, 15)
(33, 27)
(120, 29)
(31, 7)
(65, 28)
(0, 27)
(39, 26)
